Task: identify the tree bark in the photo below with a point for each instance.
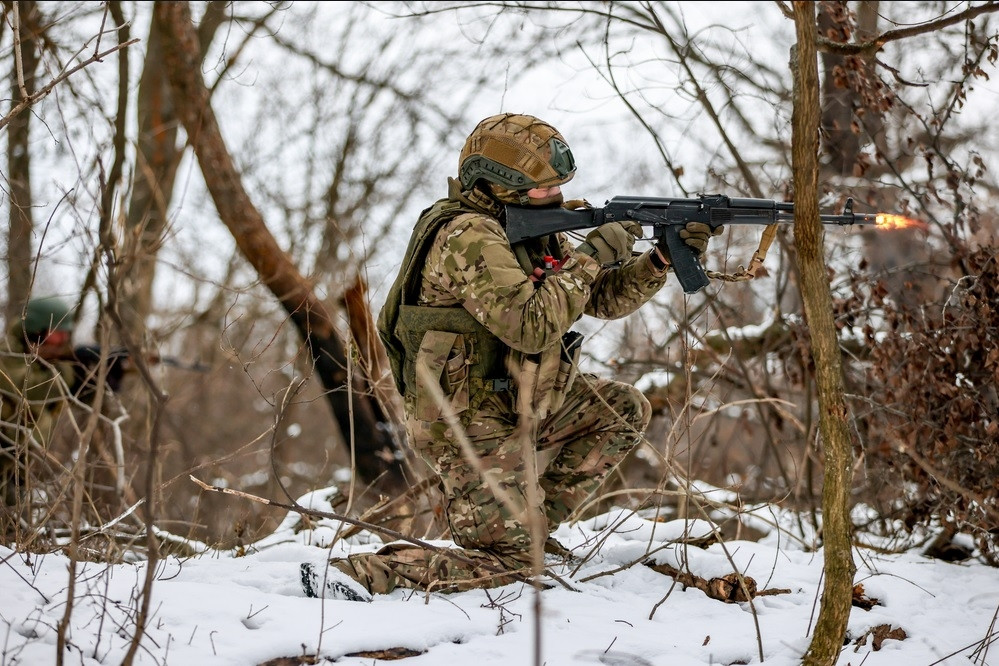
(378, 459)
(839, 567)
(157, 158)
(840, 142)
(21, 226)
(851, 124)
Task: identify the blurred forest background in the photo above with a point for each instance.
(229, 200)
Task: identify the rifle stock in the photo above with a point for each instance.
(666, 217)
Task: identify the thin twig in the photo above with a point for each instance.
(47, 88)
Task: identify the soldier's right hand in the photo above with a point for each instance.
(612, 242)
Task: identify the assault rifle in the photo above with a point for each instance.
(90, 355)
(667, 217)
(87, 357)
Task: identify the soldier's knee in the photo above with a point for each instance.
(644, 411)
(634, 407)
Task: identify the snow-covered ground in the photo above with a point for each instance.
(609, 608)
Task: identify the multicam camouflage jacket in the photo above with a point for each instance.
(464, 318)
(31, 391)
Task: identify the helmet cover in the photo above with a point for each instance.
(515, 151)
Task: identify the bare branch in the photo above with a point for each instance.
(872, 46)
(65, 74)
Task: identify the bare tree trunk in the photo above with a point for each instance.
(21, 225)
(839, 567)
(157, 158)
(867, 28)
(851, 123)
(841, 143)
(846, 124)
(377, 456)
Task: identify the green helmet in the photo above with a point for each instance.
(517, 152)
(47, 314)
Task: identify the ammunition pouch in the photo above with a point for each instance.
(441, 376)
(452, 362)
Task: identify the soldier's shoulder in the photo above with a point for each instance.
(471, 226)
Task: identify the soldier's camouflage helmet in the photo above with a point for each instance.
(517, 152)
(47, 314)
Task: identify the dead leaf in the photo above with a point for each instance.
(879, 635)
(862, 601)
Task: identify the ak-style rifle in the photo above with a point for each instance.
(85, 359)
(667, 217)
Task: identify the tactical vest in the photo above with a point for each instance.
(442, 358)
(446, 342)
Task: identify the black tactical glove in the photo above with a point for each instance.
(612, 242)
(694, 234)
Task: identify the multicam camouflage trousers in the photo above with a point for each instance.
(576, 447)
